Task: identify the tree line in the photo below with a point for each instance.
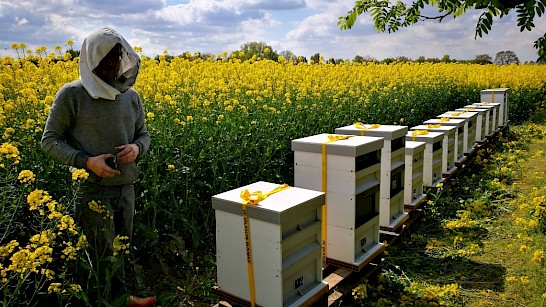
(253, 51)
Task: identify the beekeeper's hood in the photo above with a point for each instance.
(95, 47)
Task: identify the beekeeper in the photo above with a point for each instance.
(97, 123)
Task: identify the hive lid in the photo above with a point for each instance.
(431, 137)
(444, 129)
(487, 104)
(413, 147)
(457, 122)
(279, 208)
(476, 109)
(457, 114)
(495, 90)
(389, 132)
(353, 146)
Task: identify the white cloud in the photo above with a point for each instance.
(21, 21)
(304, 27)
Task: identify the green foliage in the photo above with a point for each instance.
(452, 256)
(389, 16)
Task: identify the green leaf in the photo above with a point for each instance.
(539, 9)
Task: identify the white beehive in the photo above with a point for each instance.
(449, 146)
(285, 240)
(433, 155)
(391, 210)
(352, 169)
(480, 122)
(469, 128)
(495, 111)
(460, 139)
(498, 95)
(413, 190)
(487, 119)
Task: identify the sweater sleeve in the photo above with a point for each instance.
(142, 138)
(56, 131)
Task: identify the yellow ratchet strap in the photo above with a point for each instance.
(415, 133)
(253, 199)
(360, 126)
(331, 138)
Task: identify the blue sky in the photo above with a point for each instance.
(304, 27)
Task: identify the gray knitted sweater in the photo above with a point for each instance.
(79, 126)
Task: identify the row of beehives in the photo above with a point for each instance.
(348, 188)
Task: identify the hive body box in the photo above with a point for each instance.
(352, 193)
(469, 128)
(487, 119)
(449, 147)
(391, 210)
(498, 95)
(413, 190)
(495, 111)
(285, 236)
(480, 122)
(432, 164)
(459, 124)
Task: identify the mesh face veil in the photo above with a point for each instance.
(94, 49)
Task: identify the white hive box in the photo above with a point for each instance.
(434, 148)
(449, 146)
(391, 210)
(498, 95)
(285, 239)
(413, 190)
(487, 119)
(459, 135)
(469, 128)
(495, 111)
(480, 122)
(352, 193)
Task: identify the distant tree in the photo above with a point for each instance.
(258, 49)
(403, 59)
(315, 58)
(288, 55)
(205, 56)
(358, 59)
(387, 60)
(362, 59)
(483, 59)
(433, 60)
(393, 15)
(506, 57)
(420, 59)
(446, 59)
(331, 61)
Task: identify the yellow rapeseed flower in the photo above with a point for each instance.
(96, 206)
(511, 279)
(54, 287)
(538, 257)
(80, 174)
(119, 246)
(37, 198)
(26, 177)
(9, 151)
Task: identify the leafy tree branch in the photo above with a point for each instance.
(391, 16)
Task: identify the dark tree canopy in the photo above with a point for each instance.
(391, 17)
(506, 57)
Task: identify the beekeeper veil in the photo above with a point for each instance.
(95, 47)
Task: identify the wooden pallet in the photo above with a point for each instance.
(320, 299)
(345, 277)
